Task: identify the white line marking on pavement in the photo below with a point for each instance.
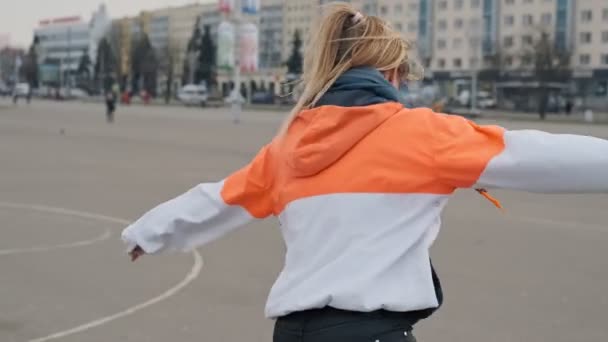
(190, 277)
(194, 273)
(41, 249)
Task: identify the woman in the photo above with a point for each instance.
(358, 183)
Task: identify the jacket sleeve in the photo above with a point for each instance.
(206, 212)
(469, 155)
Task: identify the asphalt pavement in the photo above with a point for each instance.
(70, 182)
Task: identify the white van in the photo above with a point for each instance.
(193, 95)
(22, 89)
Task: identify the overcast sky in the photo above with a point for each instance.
(20, 17)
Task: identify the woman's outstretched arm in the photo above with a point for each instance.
(206, 212)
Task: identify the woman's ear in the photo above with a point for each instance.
(392, 76)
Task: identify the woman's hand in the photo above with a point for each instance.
(136, 253)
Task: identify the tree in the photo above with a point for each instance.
(84, 70)
(144, 65)
(206, 59)
(105, 65)
(30, 64)
(168, 61)
(192, 52)
(294, 63)
(549, 64)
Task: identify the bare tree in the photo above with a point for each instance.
(168, 62)
(548, 63)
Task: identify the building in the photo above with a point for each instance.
(459, 38)
(297, 16)
(590, 58)
(462, 39)
(181, 22)
(64, 41)
(271, 34)
(8, 64)
(168, 29)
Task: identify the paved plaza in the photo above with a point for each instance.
(69, 183)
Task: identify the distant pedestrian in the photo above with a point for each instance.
(110, 105)
(569, 106)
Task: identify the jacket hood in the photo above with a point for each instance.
(358, 103)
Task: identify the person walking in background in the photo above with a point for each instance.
(358, 182)
(111, 97)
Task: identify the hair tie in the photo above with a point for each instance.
(357, 17)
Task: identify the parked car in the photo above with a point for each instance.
(73, 93)
(262, 98)
(485, 100)
(22, 89)
(193, 95)
(4, 89)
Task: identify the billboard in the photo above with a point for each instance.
(250, 6)
(249, 47)
(226, 6)
(226, 39)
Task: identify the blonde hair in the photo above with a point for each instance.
(346, 38)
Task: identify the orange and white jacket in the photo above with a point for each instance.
(359, 193)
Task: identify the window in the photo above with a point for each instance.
(442, 5)
(383, 10)
(586, 16)
(398, 27)
(458, 23)
(528, 1)
(458, 4)
(398, 8)
(412, 27)
(475, 24)
(605, 14)
(414, 7)
(585, 37)
(457, 63)
(526, 40)
(605, 59)
(605, 37)
(442, 25)
(509, 60)
(508, 41)
(509, 20)
(441, 63)
(473, 62)
(457, 44)
(441, 44)
(510, 2)
(584, 59)
(475, 3)
(546, 19)
(528, 20)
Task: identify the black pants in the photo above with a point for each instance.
(332, 325)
